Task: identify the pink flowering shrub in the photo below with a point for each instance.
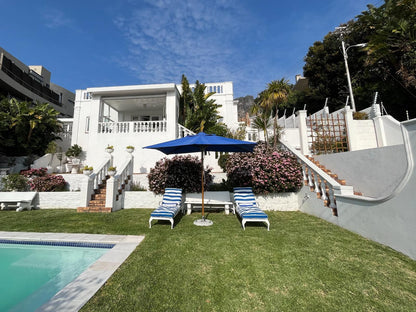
(181, 172)
(266, 170)
(32, 173)
(48, 183)
(41, 181)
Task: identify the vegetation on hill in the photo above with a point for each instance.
(386, 65)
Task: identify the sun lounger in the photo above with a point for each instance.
(247, 208)
(169, 207)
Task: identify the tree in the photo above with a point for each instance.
(200, 113)
(387, 65)
(262, 115)
(27, 128)
(276, 96)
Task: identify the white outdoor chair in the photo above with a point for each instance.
(169, 207)
(247, 208)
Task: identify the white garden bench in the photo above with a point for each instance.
(211, 200)
(18, 200)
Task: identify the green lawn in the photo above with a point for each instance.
(302, 264)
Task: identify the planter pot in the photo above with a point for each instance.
(76, 161)
(68, 167)
(130, 150)
(111, 173)
(87, 172)
(109, 150)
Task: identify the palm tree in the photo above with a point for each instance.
(201, 111)
(262, 113)
(275, 98)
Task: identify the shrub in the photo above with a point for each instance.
(180, 171)
(267, 170)
(15, 182)
(137, 187)
(32, 173)
(222, 161)
(48, 183)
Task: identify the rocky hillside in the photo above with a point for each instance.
(243, 105)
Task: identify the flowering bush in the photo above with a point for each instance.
(266, 170)
(180, 171)
(32, 173)
(48, 183)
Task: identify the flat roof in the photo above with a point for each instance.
(133, 89)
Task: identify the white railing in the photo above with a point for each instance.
(101, 173)
(93, 182)
(132, 126)
(118, 184)
(321, 183)
(183, 132)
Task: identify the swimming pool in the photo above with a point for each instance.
(33, 272)
(74, 295)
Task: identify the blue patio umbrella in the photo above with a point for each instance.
(203, 142)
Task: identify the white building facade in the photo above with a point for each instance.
(137, 115)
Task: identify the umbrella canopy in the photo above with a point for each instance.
(203, 142)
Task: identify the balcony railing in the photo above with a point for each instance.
(132, 126)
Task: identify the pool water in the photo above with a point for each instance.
(30, 275)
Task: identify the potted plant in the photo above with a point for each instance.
(130, 149)
(73, 152)
(111, 171)
(87, 170)
(109, 149)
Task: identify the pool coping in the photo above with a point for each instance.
(77, 293)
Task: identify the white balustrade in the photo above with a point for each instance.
(119, 183)
(183, 132)
(319, 181)
(132, 126)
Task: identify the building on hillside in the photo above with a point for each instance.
(33, 83)
(137, 115)
(301, 84)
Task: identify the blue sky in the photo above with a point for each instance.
(94, 43)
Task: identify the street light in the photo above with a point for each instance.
(344, 51)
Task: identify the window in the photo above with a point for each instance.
(215, 89)
(87, 96)
(87, 124)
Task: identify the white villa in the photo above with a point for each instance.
(374, 194)
(137, 115)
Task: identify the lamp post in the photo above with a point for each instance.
(344, 51)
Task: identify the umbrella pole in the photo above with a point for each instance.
(202, 182)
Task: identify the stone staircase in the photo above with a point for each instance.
(97, 202)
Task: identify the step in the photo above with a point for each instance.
(94, 209)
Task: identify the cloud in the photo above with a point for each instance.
(168, 38)
(55, 18)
